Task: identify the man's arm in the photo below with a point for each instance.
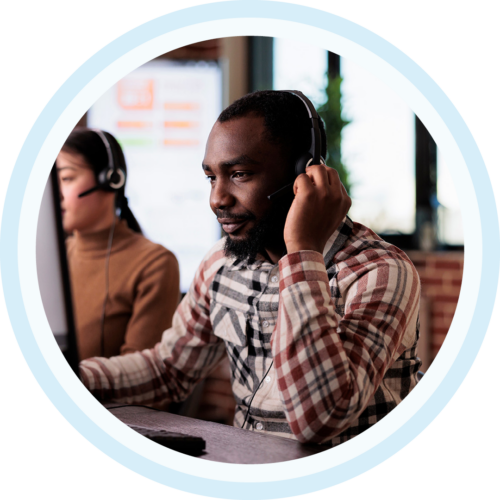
(169, 371)
(329, 367)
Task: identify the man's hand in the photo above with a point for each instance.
(321, 203)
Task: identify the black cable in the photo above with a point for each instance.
(106, 281)
(265, 375)
(253, 395)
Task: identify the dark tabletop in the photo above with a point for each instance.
(223, 443)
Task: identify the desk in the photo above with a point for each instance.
(224, 443)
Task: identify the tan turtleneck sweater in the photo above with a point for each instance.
(143, 291)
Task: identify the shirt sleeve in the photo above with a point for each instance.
(329, 366)
(169, 371)
(156, 298)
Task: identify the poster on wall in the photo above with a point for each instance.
(161, 114)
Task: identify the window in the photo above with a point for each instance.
(449, 228)
(378, 149)
(297, 66)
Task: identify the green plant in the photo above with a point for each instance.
(331, 113)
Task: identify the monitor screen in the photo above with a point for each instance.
(52, 271)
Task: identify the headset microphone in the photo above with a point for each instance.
(311, 157)
(91, 190)
(110, 178)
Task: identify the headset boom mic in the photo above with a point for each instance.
(91, 190)
(281, 191)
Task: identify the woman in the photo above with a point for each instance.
(125, 288)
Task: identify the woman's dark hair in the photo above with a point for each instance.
(87, 143)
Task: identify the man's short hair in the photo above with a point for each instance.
(285, 116)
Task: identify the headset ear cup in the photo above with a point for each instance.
(301, 163)
(110, 179)
(102, 179)
(116, 179)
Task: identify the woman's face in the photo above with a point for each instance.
(90, 213)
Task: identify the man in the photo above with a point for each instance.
(317, 314)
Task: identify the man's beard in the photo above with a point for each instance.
(267, 232)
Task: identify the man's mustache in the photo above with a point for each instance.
(222, 214)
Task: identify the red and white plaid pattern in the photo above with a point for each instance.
(337, 333)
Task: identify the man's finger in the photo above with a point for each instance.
(318, 174)
(333, 177)
(303, 183)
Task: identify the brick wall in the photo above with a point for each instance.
(441, 279)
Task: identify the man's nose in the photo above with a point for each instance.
(221, 196)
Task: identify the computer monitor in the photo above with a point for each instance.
(53, 274)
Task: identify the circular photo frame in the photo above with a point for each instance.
(27, 258)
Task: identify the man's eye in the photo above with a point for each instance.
(241, 175)
(210, 178)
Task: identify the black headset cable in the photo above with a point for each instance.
(253, 395)
(106, 281)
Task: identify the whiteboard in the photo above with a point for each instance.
(162, 114)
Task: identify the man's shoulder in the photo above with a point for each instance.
(364, 245)
(214, 259)
(371, 263)
(216, 253)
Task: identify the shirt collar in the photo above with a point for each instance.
(234, 264)
(333, 245)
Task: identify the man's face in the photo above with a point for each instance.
(243, 168)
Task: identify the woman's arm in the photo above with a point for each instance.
(188, 351)
(156, 299)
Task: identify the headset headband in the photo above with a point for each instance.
(110, 178)
(315, 148)
(102, 135)
(113, 177)
(311, 157)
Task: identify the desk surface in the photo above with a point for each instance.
(223, 443)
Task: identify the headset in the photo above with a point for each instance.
(311, 157)
(110, 178)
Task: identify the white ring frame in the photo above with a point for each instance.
(27, 260)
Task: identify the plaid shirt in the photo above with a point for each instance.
(331, 339)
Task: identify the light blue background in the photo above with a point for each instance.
(43, 65)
